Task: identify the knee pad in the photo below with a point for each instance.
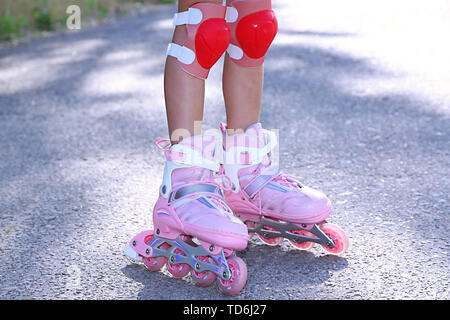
(253, 27)
(208, 36)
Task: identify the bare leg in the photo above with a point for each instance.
(184, 94)
(242, 91)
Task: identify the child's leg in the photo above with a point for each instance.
(184, 93)
(242, 90)
(269, 201)
(191, 203)
(253, 27)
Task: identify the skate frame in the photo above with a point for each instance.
(191, 251)
(283, 229)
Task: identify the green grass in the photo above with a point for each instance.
(12, 27)
(9, 229)
(19, 17)
(43, 19)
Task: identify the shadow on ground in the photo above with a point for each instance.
(300, 270)
(70, 139)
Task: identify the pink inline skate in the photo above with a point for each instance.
(195, 230)
(274, 205)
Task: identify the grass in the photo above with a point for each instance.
(20, 17)
(9, 229)
(12, 27)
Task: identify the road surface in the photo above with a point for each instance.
(360, 93)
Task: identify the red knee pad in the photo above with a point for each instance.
(208, 36)
(253, 27)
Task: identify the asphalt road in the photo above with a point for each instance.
(360, 93)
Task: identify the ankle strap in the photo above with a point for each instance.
(195, 189)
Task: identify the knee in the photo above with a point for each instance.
(253, 27)
(207, 37)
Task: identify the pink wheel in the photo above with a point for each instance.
(205, 278)
(238, 277)
(339, 237)
(304, 245)
(178, 270)
(156, 263)
(270, 241)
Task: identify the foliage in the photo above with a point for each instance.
(18, 17)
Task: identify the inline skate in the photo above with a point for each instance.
(194, 229)
(274, 205)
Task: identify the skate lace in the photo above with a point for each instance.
(285, 180)
(288, 181)
(163, 144)
(223, 181)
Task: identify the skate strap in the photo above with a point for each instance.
(231, 15)
(257, 184)
(195, 189)
(191, 16)
(182, 53)
(186, 155)
(252, 155)
(261, 181)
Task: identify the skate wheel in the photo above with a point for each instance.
(270, 241)
(205, 278)
(238, 277)
(178, 270)
(156, 263)
(307, 245)
(339, 237)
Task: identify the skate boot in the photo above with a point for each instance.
(194, 229)
(273, 205)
